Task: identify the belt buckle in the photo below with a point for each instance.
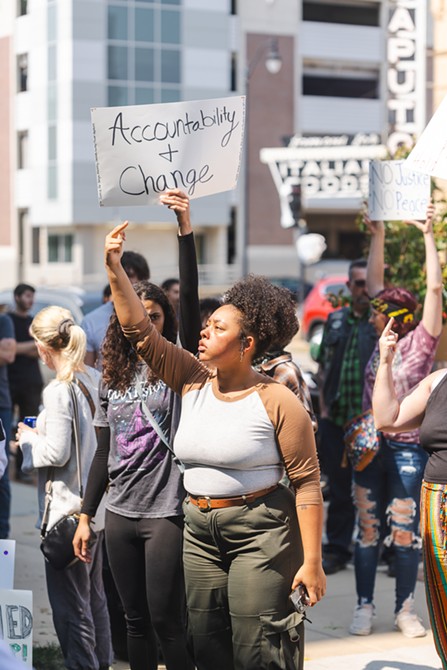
(207, 501)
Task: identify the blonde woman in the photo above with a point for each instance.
(76, 594)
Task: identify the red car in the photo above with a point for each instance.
(317, 307)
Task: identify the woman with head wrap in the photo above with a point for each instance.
(387, 491)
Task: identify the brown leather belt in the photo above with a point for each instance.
(205, 503)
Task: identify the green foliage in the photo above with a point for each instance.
(48, 657)
(405, 251)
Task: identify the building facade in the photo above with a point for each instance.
(355, 74)
(356, 83)
(60, 58)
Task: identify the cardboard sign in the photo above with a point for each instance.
(396, 194)
(143, 150)
(430, 152)
(7, 558)
(16, 622)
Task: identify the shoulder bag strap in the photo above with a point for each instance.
(51, 470)
(87, 394)
(152, 420)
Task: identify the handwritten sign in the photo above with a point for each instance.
(16, 622)
(7, 558)
(430, 152)
(396, 194)
(143, 150)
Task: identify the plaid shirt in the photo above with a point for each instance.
(349, 400)
(280, 367)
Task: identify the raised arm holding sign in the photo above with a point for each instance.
(144, 150)
(396, 193)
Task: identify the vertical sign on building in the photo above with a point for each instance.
(406, 71)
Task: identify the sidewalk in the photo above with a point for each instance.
(328, 643)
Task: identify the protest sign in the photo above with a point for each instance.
(143, 150)
(16, 622)
(396, 194)
(7, 557)
(430, 152)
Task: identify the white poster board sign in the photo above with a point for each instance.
(16, 622)
(143, 150)
(7, 558)
(395, 193)
(430, 152)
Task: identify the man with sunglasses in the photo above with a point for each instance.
(347, 344)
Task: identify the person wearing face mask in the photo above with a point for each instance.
(387, 491)
(348, 341)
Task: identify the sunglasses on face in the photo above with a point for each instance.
(359, 283)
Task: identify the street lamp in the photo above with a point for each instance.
(273, 63)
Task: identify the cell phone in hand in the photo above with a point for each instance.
(300, 600)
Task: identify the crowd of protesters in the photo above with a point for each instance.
(201, 443)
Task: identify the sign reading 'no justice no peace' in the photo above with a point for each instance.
(143, 150)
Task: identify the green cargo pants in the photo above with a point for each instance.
(239, 567)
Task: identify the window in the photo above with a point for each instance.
(117, 60)
(52, 102)
(52, 143)
(170, 95)
(117, 96)
(144, 64)
(170, 67)
(52, 62)
(22, 7)
(144, 54)
(144, 96)
(60, 248)
(144, 25)
(340, 81)
(35, 245)
(22, 220)
(52, 23)
(199, 239)
(170, 27)
(231, 236)
(52, 182)
(117, 23)
(22, 72)
(22, 150)
(327, 12)
(233, 73)
(340, 87)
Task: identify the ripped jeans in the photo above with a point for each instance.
(386, 497)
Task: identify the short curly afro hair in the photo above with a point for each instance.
(267, 312)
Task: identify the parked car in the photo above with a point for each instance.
(294, 284)
(317, 307)
(79, 301)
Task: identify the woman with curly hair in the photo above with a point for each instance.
(387, 491)
(136, 422)
(243, 549)
(277, 363)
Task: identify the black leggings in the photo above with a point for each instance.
(145, 557)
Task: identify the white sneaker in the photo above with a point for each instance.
(362, 620)
(408, 622)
